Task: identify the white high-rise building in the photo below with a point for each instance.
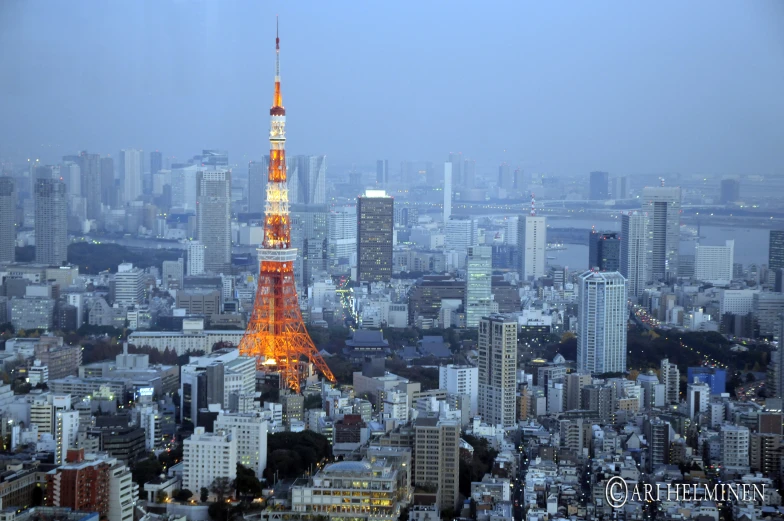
(306, 179)
(447, 191)
(479, 275)
(342, 235)
(531, 246)
(734, 441)
(122, 492)
(510, 230)
(66, 430)
(497, 372)
(251, 429)
(462, 380)
(697, 398)
(184, 182)
(195, 258)
(128, 285)
(635, 252)
(663, 207)
(671, 378)
(713, 264)
(460, 234)
(131, 173)
(602, 321)
(207, 456)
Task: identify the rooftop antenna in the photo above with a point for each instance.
(661, 180)
(533, 205)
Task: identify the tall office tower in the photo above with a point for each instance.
(276, 335)
(461, 380)
(730, 191)
(775, 383)
(505, 177)
(479, 276)
(671, 378)
(599, 186)
(574, 383)
(51, 222)
(469, 175)
(460, 233)
(156, 162)
(531, 244)
(604, 251)
(184, 186)
(407, 173)
(447, 191)
(342, 241)
(657, 433)
(71, 174)
(382, 172)
(309, 236)
(7, 219)
(436, 456)
(108, 186)
(195, 258)
(713, 264)
(456, 159)
(131, 174)
(90, 176)
(213, 218)
(619, 188)
(602, 318)
(307, 182)
(497, 369)
(128, 285)
(375, 218)
(257, 185)
(635, 251)
(776, 250)
(663, 206)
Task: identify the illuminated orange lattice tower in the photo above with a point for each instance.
(276, 334)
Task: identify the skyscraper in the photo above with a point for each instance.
(195, 258)
(447, 191)
(307, 180)
(342, 229)
(730, 191)
(505, 177)
(156, 162)
(635, 251)
(663, 206)
(257, 185)
(599, 186)
(436, 457)
(7, 219)
(469, 175)
(309, 236)
(456, 159)
(213, 217)
(131, 174)
(89, 165)
(497, 369)
(211, 157)
(713, 264)
(604, 251)
(71, 174)
(602, 318)
(776, 250)
(479, 274)
(531, 245)
(51, 221)
(108, 186)
(375, 218)
(671, 378)
(382, 172)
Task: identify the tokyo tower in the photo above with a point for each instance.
(276, 334)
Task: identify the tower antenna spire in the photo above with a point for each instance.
(533, 205)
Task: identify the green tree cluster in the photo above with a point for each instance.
(290, 454)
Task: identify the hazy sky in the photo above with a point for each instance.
(628, 87)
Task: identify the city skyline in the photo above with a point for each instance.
(658, 73)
